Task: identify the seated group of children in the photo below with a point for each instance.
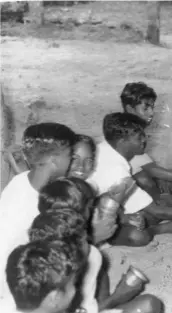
(72, 197)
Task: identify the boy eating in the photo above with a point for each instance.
(125, 138)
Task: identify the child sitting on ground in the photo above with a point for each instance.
(61, 221)
(67, 223)
(125, 138)
(139, 99)
(41, 276)
(19, 200)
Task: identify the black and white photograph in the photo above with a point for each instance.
(86, 157)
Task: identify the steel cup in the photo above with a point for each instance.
(134, 276)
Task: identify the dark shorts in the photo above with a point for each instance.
(151, 219)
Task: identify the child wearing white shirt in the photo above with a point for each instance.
(41, 276)
(139, 99)
(125, 138)
(19, 200)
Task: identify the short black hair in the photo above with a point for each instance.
(46, 138)
(35, 269)
(134, 93)
(81, 138)
(41, 150)
(119, 125)
(62, 224)
(48, 132)
(58, 194)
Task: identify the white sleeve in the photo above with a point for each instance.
(108, 178)
(139, 161)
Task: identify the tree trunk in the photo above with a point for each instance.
(7, 129)
(153, 30)
(36, 12)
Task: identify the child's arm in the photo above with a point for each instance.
(147, 183)
(122, 294)
(12, 162)
(156, 171)
(10, 156)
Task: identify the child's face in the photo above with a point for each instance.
(61, 163)
(82, 161)
(137, 143)
(144, 110)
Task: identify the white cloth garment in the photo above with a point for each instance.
(138, 161)
(111, 169)
(18, 208)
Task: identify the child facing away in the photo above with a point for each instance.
(19, 200)
(41, 276)
(43, 132)
(139, 99)
(125, 138)
(69, 222)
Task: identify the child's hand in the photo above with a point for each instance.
(135, 219)
(125, 292)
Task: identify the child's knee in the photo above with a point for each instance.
(150, 304)
(140, 238)
(144, 180)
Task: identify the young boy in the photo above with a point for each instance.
(67, 223)
(19, 200)
(139, 99)
(41, 276)
(39, 132)
(125, 138)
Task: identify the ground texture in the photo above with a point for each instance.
(76, 77)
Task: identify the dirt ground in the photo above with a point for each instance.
(80, 76)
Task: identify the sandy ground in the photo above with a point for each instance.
(81, 81)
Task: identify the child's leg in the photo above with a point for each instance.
(159, 212)
(103, 284)
(164, 186)
(143, 304)
(128, 235)
(163, 228)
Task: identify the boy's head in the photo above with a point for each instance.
(48, 132)
(125, 133)
(83, 158)
(55, 157)
(49, 145)
(65, 193)
(59, 194)
(139, 99)
(61, 224)
(41, 275)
